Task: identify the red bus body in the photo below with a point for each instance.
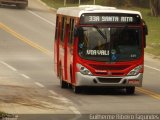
(74, 69)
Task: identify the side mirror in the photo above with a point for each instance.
(78, 32)
(145, 29)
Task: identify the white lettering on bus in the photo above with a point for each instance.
(94, 18)
(126, 19)
(97, 52)
(110, 18)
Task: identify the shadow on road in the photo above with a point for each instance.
(117, 91)
(12, 7)
(103, 91)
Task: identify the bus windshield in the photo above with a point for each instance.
(110, 44)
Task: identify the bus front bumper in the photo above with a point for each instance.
(122, 81)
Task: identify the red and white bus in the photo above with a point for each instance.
(99, 46)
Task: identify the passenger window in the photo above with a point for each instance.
(71, 31)
(63, 28)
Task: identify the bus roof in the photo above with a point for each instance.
(78, 11)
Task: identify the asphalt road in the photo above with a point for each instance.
(28, 84)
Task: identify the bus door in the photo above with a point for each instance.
(66, 37)
(70, 49)
(63, 47)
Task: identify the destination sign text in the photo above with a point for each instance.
(102, 18)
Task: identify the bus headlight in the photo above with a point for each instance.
(135, 71)
(83, 70)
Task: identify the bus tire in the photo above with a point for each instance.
(130, 90)
(76, 89)
(63, 84)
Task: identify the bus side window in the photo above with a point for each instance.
(57, 26)
(71, 31)
(63, 29)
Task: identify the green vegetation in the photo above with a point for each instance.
(153, 39)
(117, 3)
(2, 114)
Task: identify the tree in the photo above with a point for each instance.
(155, 7)
(141, 3)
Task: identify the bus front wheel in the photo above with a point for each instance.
(76, 89)
(63, 84)
(130, 90)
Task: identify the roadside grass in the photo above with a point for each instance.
(153, 23)
(153, 37)
(2, 114)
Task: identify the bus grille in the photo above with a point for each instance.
(112, 73)
(109, 80)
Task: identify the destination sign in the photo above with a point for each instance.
(109, 18)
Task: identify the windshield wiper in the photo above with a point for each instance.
(100, 32)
